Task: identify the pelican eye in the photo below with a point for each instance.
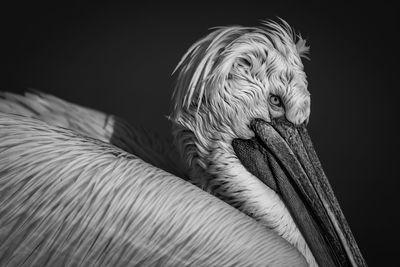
(275, 100)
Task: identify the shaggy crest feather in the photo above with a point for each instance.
(208, 62)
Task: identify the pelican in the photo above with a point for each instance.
(240, 185)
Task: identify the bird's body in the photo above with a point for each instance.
(82, 187)
(80, 202)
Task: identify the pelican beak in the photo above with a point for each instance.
(283, 157)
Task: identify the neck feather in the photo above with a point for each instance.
(213, 166)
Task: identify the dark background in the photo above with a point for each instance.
(119, 59)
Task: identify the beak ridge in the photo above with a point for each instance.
(298, 177)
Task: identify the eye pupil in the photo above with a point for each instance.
(275, 100)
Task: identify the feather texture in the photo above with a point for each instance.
(69, 200)
(145, 144)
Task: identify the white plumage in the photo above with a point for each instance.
(67, 199)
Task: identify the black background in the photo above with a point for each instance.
(119, 59)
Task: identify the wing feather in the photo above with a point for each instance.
(70, 200)
(108, 128)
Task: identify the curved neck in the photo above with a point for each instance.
(213, 166)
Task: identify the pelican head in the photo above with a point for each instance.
(240, 108)
(230, 77)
